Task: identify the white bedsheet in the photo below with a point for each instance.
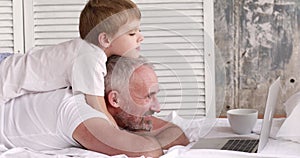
(275, 148)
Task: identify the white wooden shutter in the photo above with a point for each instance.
(11, 26)
(48, 22)
(179, 41)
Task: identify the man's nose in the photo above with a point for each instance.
(155, 105)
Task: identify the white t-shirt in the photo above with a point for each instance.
(73, 63)
(44, 121)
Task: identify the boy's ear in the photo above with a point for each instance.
(104, 40)
(113, 99)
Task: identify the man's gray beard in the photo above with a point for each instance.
(132, 122)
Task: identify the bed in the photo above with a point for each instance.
(275, 147)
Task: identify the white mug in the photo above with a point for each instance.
(242, 121)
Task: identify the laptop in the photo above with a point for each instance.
(243, 144)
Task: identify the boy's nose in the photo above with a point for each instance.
(141, 38)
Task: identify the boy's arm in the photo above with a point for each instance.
(98, 103)
(98, 135)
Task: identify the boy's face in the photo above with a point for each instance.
(126, 42)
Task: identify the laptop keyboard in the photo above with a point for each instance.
(244, 145)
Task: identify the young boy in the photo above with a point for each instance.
(108, 27)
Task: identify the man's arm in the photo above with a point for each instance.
(98, 135)
(166, 133)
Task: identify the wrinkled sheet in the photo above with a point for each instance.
(194, 129)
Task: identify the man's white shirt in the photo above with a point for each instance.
(44, 121)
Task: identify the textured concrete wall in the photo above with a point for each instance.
(259, 41)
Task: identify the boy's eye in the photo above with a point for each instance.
(132, 34)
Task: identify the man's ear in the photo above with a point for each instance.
(113, 98)
(104, 40)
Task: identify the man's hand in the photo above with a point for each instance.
(166, 133)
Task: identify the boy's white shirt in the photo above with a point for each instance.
(44, 121)
(73, 63)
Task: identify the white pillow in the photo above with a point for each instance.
(291, 103)
(290, 129)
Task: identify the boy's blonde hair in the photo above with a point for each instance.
(105, 16)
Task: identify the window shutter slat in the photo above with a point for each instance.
(53, 21)
(175, 43)
(6, 26)
(11, 30)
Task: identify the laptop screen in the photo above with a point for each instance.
(271, 103)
